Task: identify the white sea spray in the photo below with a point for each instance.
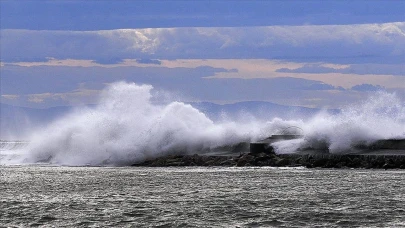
(127, 127)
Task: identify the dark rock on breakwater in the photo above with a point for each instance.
(284, 160)
(382, 154)
(189, 160)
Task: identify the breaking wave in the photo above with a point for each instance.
(127, 127)
(381, 116)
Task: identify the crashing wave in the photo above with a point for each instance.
(126, 127)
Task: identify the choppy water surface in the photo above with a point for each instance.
(200, 197)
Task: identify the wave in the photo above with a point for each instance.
(380, 117)
(127, 127)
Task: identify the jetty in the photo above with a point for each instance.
(382, 154)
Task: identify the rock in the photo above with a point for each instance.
(245, 160)
(389, 164)
(319, 162)
(229, 162)
(265, 159)
(282, 162)
(355, 163)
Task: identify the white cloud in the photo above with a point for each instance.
(10, 97)
(80, 96)
(314, 41)
(346, 55)
(39, 98)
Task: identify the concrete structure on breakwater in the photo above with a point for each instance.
(265, 144)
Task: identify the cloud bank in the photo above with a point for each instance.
(335, 43)
(361, 69)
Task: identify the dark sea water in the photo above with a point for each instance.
(200, 197)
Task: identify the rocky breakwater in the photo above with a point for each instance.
(247, 159)
(285, 160)
(383, 154)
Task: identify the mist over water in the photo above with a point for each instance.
(127, 127)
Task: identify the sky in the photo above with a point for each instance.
(323, 54)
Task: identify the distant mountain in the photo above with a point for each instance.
(258, 109)
(14, 121)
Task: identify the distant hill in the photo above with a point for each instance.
(14, 121)
(258, 109)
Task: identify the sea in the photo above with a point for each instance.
(61, 196)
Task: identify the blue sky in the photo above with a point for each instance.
(105, 15)
(308, 53)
